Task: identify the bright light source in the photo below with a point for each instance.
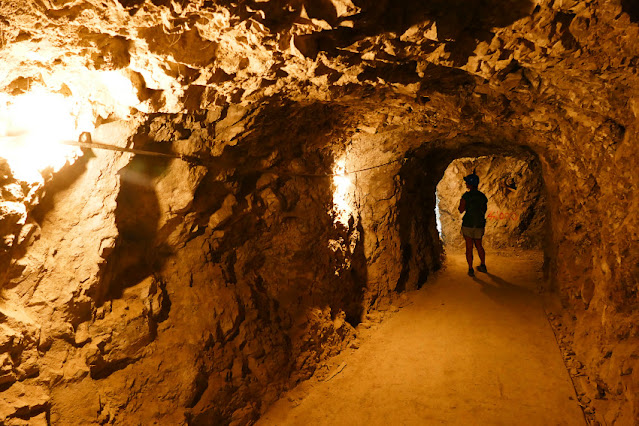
(342, 197)
(438, 215)
(32, 125)
(344, 208)
(118, 91)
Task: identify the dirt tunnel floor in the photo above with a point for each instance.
(461, 351)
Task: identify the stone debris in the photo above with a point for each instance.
(335, 371)
(586, 388)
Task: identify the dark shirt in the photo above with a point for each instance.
(476, 206)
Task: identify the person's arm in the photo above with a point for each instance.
(462, 206)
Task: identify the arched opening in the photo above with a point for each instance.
(464, 333)
(515, 218)
(432, 184)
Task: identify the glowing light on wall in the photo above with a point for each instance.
(32, 125)
(438, 215)
(343, 212)
(342, 196)
(118, 91)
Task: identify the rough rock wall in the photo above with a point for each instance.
(189, 285)
(17, 199)
(421, 249)
(592, 199)
(46, 300)
(516, 201)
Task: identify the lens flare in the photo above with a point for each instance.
(32, 125)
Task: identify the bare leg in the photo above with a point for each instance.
(469, 251)
(480, 251)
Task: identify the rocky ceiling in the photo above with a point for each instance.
(193, 54)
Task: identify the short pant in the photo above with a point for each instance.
(474, 233)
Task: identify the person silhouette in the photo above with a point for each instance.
(474, 203)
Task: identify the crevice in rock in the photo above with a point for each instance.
(631, 8)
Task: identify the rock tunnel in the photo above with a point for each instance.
(203, 201)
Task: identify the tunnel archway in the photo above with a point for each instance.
(516, 211)
(423, 249)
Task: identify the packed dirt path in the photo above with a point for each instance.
(462, 351)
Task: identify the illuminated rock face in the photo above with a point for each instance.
(158, 290)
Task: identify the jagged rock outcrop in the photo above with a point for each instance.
(195, 291)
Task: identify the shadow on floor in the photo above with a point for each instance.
(502, 291)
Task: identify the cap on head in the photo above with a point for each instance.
(472, 179)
